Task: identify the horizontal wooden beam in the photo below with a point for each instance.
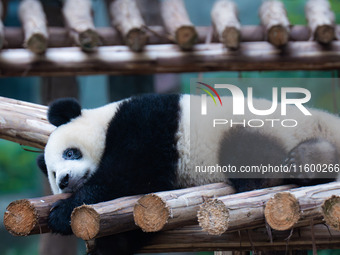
(191, 238)
(24, 123)
(59, 37)
(167, 58)
(30, 216)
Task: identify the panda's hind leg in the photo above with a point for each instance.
(245, 148)
(312, 160)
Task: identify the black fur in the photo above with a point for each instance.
(140, 156)
(244, 147)
(315, 151)
(41, 163)
(61, 111)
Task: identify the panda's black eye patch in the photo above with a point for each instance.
(72, 154)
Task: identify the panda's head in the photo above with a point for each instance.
(74, 149)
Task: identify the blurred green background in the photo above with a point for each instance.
(19, 175)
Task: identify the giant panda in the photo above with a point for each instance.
(142, 144)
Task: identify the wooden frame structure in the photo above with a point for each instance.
(179, 46)
(130, 47)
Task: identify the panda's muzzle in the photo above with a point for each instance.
(64, 181)
(70, 183)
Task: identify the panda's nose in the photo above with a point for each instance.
(63, 183)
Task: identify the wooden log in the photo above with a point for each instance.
(102, 219)
(34, 24)
(112, 217)
(235, 212)
(191, 238)
(78, 17)
(224, 16)
(127, 18)
(59, 37)
(178, 24)
(24, 123)
(170, 209)
(2, 33)
(169, 59)
(273, 16)
(29, 216)
(331, 212)
(321, 20)
(300, 207)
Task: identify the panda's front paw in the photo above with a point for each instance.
(59, 220)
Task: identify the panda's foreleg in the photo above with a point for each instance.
(94, 191)
(312, 160)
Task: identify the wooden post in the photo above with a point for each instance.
(320, 20)
(34, 23)
(178, 24)
(2, 33)
(77, 14)
(29, 216)
(102, 219)
(171, 209)
(224, 16)
(299, 207)
(235, 212)
(274, 18)
(127, 18)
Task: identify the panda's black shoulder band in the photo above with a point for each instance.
(61, 111)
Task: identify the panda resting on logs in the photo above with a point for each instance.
(141, 145)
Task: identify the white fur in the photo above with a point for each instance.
(87, 133)
(205, 143)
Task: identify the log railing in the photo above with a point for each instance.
(59, 37)
(317, 204)
(273, 44)
(170, 59)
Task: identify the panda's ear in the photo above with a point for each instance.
(63, 110)
(41, 163)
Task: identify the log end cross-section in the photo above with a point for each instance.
(331, 212)
(151, 213)
(282, 211)
(213, 216)
(20, 218)
(86, 224)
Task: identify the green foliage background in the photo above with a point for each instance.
(18, 170)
